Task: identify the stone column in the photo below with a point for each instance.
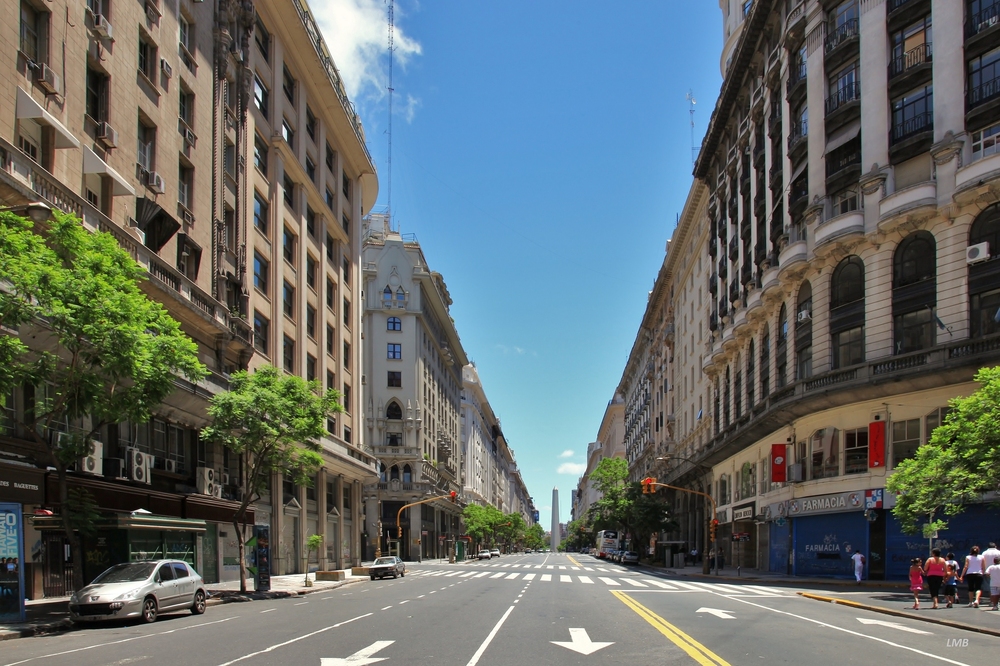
(949, 67)
(321, 518)
(338, 498)
(355, 523)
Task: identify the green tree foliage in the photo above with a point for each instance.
(92, 347)
(534, 537)
(274, 422)
(957, 466)
(579, 535)
(481, 523)
(624, 507)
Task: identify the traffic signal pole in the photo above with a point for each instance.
(399, 514)
(648, 485)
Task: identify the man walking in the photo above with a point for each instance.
(991, 553)
(859, 565)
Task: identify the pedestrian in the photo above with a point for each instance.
(934, 567)
(950, 581)
(991, 552)
(916, 581)
(859, 565)
(972, 575)
(993, 571)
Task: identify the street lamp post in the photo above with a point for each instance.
(706, 566)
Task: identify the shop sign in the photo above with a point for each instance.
(835, 503)
(743, 513)
(12, 555)
(24, 485)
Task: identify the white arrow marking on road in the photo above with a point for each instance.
(717, 613)
(894, 625)
(359, 658)
(580, 642)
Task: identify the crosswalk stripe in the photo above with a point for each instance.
(586, 579)
(575, 568)
(738, 589)
(529, 576)
(482, 573)
(513, 576)
(636, 583)
(546, 577)
(660, 584)
(688, 586)
(588, 569)
(451, 573)
(768, 590)
(563, 578)
(602, 569)
(550, 567)
(497, 575)
(562, 567)
(466, 575)
(608, 581)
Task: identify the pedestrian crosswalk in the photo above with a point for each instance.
(625, 582)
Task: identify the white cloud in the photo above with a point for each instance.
(573, 469)
(357, 33)
(568, 453)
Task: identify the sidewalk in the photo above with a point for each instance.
(879, 596)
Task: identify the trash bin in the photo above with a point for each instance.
(678, 560)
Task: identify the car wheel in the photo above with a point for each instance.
(198, 607)
(373, 576)
(395, 575)
(402, 575)
(149, 610)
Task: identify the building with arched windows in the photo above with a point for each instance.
(852, 265)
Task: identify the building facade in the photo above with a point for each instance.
(609, 444)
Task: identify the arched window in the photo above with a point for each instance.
(394, 473)
(984, 276)
(751, 375)
(824, 454)
(393, 324)
(765, 361)
(847, 312)
(393, 411)
(803, 332)
(727, 398)
(914, 293)
(407, 474)
(724, 489)
(400, 295)
(781, 348)
(738, 389)
(387, 293)
(381, 473)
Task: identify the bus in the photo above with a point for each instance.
(607, 540)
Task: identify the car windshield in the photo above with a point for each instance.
(132, 572)
(385, 560)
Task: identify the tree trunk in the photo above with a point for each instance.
(241, 545)
(75, 548)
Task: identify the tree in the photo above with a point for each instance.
(313, 544)
(102, 351)
(274, 422)
(534, 537)
(481, 522)
(579, 535)
(647, 516)
(957, 465)
(611, 510)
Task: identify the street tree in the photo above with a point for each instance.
(273, 422)
(534, 537)
(956, 466)
(511, 529)
(611, 510)
(578, 534)
(647, 515)
(101, 351)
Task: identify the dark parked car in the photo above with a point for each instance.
(387, 566)
(142, 590)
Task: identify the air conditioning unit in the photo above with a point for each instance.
(107, 135)
(225, 479)
(189, 137)
(103, 28)
(155, 182)
(205, 480)
(217, 491)
(804, 316)
(137, 465)
(170, 466)
(977, 253)
(48, 80)
(795, 473)
(94, 463)
(114, 468)
(168, 71)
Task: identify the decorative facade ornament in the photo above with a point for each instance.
(873, 181)
(947, 149)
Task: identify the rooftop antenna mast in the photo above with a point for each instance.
(391, 48)
(694, 148)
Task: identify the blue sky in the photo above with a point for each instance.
(541, 153)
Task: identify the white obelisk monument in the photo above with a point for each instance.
(555, 520)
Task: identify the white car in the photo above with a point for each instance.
(484, 555)
(495, 552)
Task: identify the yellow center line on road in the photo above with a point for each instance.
(693, 648)
(571, 559)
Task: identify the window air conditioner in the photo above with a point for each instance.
(205, 480)
(189, 137)
(168, 71)
(103, 27)
(170, 466)
(795, 473)
(155, 182)
(48, 80)
(137, 465)
(977, 253)
(94, 463)
(805, 315)
(107, 135)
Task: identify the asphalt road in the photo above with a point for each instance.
(532, 609)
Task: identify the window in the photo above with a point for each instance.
(844, 87)
(310, 221)
(287, 133)
(407, 474)
(346, 399)
(330, 247)
(310, 169)
(329, 157)
(914, 331)
(261, 328)
(288, 83)
(913, 113)
(260, 211)
(146, 154)
(933, 420)
(846, 201)
(310, 271)
(856, 451)
(847, 312)
(288, 191)
(310, 124)
(347, 313)
(748, 480)
(97, 95)
(147, 57)
(331, 381)
(347, 356)
(288, 299)
(393, 324)
(393, 412)
(33, 32)
(229, 158)
(288, 354)
(905, 440)
(394, 351)
(346, 223)
(914, 294)
(395, 379)
(329, 198)
(345, 186)
(261, 96)
(310, 367)
(724, 489)
(263, 39)
(985, 142)
(260, 272)
(984, 77)
(911, 46)
(288, 246)
(330, 340)
(765, 363)
(400, 295)
(185, 33)
(331, 292)
(781, 347)
(346, 272)
(825, 454)
(803, 332)
(848, 347)
(311, 321)
(260, 152)
(185, 107)
(347, 438)
(751, 362)
(185, 183)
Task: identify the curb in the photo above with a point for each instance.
(37, 630)
(913, 616)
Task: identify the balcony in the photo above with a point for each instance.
(982, 101)
(904, 69)
(794, 254)
(915, 125)
(979, 172)
(755, 304)
(713, 246)
(387, 450)
(843, 165)
(734, 292)
(901, 13)
(842, 228)
(797, 139)
(896, 207)
(840, 102)
(795, 24)
(723, 268)
(713, 284)
(798, 196)
(795, 88)
(984, 22)
(775, 176)
(734, 249)
(774, 124)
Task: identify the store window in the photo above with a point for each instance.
(856, 451)
(825, 454)
(905, 439)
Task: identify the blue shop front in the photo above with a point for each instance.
(816, 536)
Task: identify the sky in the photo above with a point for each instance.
(541, 153)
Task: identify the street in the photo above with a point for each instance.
(519, 609)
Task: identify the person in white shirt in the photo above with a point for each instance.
(993, 571)
(972, 575)
(991, 552)
(859, 565)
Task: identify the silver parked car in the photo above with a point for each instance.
(387, 566)
(142, 590)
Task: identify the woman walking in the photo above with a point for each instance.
(972, 575)
(934, 567)
(916, 581)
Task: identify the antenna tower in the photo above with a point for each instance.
(391, 48)
(694, 148)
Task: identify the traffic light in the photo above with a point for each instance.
(712, 526)
(647, 485)
(453, 496)
(399, 530)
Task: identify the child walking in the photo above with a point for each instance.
(951, 583)
(916, 581)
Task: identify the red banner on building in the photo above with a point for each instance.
(778, 463)
(876, 444)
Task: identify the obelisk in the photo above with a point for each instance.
(555, 520)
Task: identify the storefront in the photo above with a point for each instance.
(21, 492)
(826, 531)
(779, 539)
(977, 525)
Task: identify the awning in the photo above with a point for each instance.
(129, 522)
(92, 163)
(29, 109)
(158, 226)
(842, 136)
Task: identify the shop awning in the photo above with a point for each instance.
(92, 163)
(126, 521)
(29, 109)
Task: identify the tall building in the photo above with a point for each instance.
(846, 223)
(556, 530)
(412, 379)
(609, 444)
